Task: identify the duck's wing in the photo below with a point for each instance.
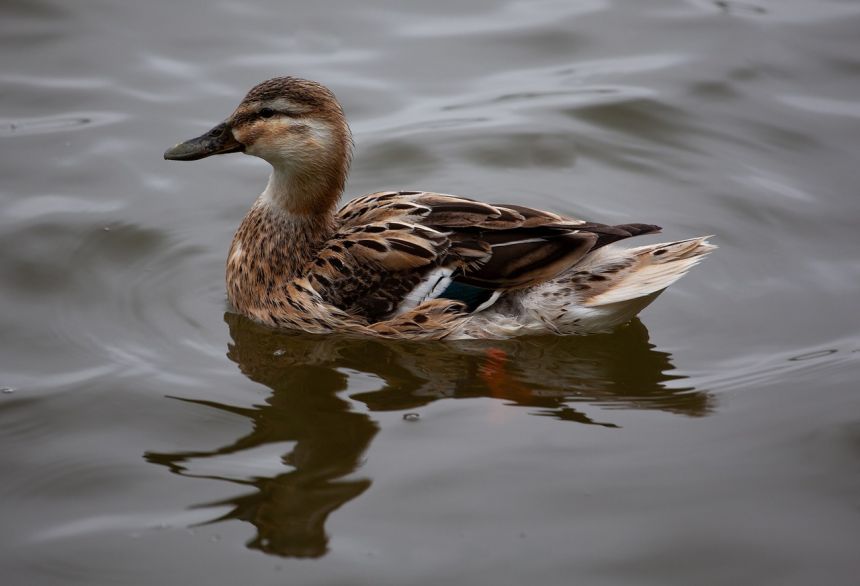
(383, 254)
(396, 250)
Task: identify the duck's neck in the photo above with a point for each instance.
(303, 193)
(284, 230)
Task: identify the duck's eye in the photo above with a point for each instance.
(266, 113)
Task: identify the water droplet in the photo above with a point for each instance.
(411, 416)
(106, 228)
(279, 352)
(7, 390)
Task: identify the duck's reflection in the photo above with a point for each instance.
(307, 407)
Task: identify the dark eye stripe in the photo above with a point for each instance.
(269, 113)
(250, 117)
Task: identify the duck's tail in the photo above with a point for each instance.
(633, 273)
(614, 284)
(603, 291)
(610, 286)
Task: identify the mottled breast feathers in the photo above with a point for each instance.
(393, 250)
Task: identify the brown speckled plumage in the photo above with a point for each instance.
(382, 265)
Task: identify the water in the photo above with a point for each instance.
(153, 438)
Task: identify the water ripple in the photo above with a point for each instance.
(749, 372)
(730, 116)
(58, 123)
(819, 105)
(511, 16)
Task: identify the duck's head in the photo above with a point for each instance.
(296, 125)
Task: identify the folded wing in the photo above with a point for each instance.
(396, 250)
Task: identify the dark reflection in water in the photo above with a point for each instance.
(307, 373)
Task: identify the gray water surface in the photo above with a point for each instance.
(148, 436)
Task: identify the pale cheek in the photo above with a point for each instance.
(288, 147)
(286, 140)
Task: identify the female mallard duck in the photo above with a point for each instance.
(413, 264)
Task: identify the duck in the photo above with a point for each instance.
(414, 265)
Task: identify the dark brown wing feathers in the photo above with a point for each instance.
(609, 234)
(389, 242)
(521, 259)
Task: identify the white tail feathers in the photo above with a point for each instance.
(649, 270)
